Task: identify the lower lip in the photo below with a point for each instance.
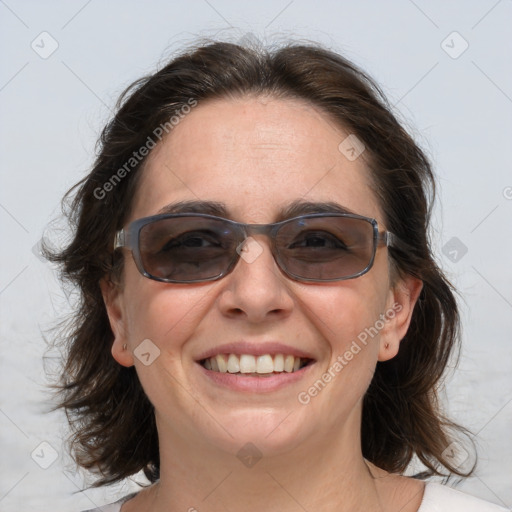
(255, 384)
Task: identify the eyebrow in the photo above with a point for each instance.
(219, 209)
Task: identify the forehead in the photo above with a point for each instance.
(255, 155)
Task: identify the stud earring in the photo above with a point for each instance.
(125, 346)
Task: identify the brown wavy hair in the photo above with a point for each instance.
(112, 420)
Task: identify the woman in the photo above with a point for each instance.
(263, 326)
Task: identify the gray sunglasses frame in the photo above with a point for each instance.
(128, 238)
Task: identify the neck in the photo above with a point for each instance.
(328, 474)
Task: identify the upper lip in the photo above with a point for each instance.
(254, 348)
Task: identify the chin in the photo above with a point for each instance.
(263, 430)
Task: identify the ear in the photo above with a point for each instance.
(400, 306)
(113, 299)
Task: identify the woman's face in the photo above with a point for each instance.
(256, 156)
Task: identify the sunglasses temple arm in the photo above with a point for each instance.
(120, 239)
(391, 240)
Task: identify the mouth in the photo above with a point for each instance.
(249, 365)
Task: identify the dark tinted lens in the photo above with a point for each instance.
(323, 248)
(186, 248)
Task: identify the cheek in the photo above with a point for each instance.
(165, 314)
(348, 317)
(345, 316)
(343, 311)
(168, 316)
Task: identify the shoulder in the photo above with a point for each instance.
(112, 507)
(440, 498)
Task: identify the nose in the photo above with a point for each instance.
(256, 289)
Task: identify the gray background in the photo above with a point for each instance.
(456, 103)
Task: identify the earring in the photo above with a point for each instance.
(386, 346)
(125, 346)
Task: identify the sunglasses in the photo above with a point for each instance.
(195, 247)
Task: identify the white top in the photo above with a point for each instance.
(437, 498)
(440, 498)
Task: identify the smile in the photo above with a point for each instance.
(254, 366)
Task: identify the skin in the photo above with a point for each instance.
(257, 155)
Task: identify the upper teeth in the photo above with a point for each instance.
(247, 363)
